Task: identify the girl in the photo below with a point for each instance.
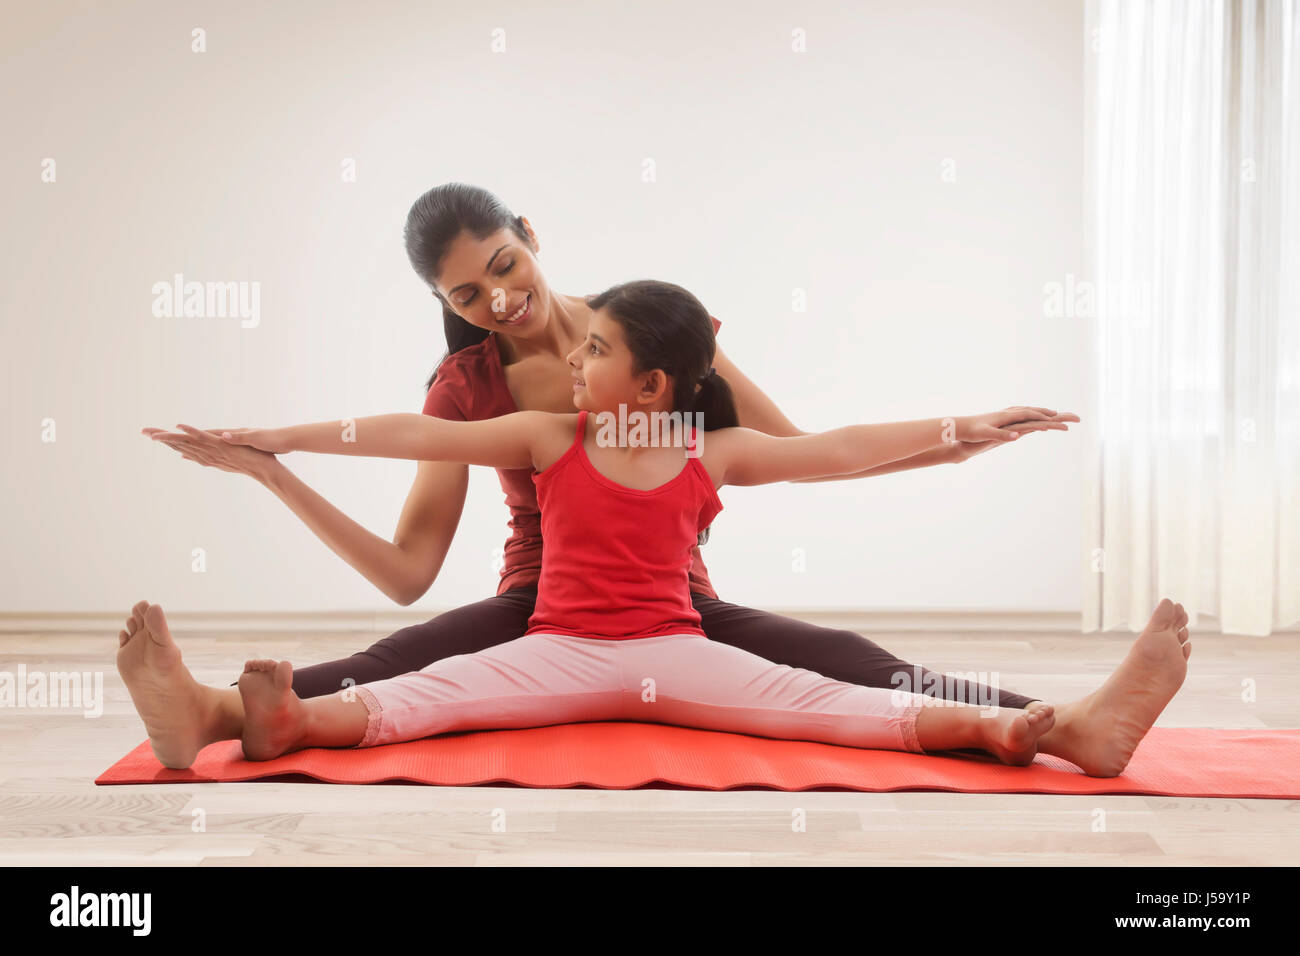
(614, 635)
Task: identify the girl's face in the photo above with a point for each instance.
(496, 283)
(602, 372)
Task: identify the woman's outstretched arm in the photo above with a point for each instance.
(403, 568)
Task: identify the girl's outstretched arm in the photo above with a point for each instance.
(503, 442)
(759, 412)
(742, 456)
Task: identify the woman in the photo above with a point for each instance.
(508, 334)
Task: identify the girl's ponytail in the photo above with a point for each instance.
(714, 402)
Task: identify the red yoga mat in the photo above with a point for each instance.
(1191, 762)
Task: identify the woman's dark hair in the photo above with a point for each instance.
(435, 220)
(668, 328)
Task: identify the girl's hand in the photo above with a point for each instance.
(1040, 419)
(274, 440)
(992, 426)
(207, 448)
(242, 451)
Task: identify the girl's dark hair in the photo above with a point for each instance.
(668, 328)
(435, 220)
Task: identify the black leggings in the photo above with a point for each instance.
(838, 654)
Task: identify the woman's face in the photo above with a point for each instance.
(489, 281)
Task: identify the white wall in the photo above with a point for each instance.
(776, 171)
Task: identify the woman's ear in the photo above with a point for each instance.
(528, 228)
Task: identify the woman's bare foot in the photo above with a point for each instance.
(1012, 736)
(1100, 732)
(180, 715)
(274, 717)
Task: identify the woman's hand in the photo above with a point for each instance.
(208, 448)
(1027, 419)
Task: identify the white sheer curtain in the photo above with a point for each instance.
(1193, 211)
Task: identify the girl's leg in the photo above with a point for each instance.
(533, 681)
(698, 682)
(842, 655)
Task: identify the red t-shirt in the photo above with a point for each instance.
(471, 387)
(617, 557)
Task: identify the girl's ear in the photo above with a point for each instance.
(653, 384)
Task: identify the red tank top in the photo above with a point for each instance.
(617, 558)
(470, 387)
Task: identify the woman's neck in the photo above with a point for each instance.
(566, 327)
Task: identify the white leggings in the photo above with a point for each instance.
(683, 679)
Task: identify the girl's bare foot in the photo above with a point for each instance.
(274, 717)
(1009, 734)
(1100, 732)
(1012, 736)
(180, 715)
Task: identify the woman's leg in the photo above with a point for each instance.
(697, 682)
(183, 716)
(462, 630)
(1098, 732)
(533, 681)
(842, 655)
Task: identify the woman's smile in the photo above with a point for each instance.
(520, 315)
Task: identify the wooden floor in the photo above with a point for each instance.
(52, 813)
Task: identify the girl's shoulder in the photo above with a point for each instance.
(717, 447)
(553, 434)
